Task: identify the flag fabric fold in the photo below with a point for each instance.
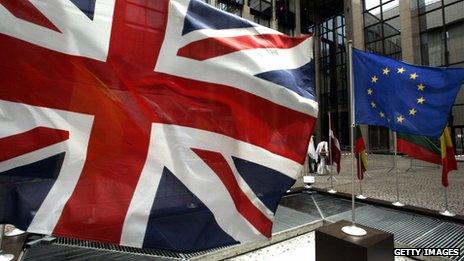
(360, 152)
(403, 97)
(447, 156)
(335, 151)
(165, 124)
(418, 147)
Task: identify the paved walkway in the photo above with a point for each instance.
(420, 186)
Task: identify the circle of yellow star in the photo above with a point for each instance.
(369, 91)
(421, 100)
(401, 70)
(412, 112)
(381, 114)
(374, 79)
(400, 119)
(386, 71)
(413, 76)
(373, 104)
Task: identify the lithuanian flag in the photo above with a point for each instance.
(360, 152)
(447, 156)
(418, 147)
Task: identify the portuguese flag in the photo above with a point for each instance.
(447, 156)
(360, 152)
(418, 147)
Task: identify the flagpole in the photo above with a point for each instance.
(397, 173)
(352, 230)
(360, 196)
(332, 190)
(446, 212)
(4, 257)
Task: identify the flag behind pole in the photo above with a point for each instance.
(335, 150)
(311, 149)
(403, 97)
(447, 156)
(419, 147)
(361, 154)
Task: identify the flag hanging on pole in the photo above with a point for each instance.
(403, 97)
(312, 149)
(361, 154)
(447, 156)
(419, 147)
(335, 151)
(165, 124)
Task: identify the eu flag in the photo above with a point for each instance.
(403, 97)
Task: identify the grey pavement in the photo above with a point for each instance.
(420, 186)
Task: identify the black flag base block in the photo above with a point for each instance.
(333, 244)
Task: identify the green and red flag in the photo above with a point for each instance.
(360, 152)
(418, 147)
(447, 156)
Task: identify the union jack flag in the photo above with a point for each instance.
(162, 124)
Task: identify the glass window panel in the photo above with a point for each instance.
(390, 9)
(431, 20)
(454, 12)
(375, 47)
(373, 33)
(392, 45)
(391, 27)
(370, 19)
(433, 48)
(427, 5)
(455, 41)
(451, 1)
(230, 8)
(368, 4)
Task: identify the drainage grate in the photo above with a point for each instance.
(116, 248)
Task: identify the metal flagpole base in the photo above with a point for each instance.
(354, 230)
(447, 213)
(14, 232)
(332, 191)
(361, 196)
(6, 257)
(398, 204)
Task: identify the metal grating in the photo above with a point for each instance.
(446, 235)
(294, 210)
(405, 226)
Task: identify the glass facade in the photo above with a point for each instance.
(333, 80)
(382, 30)
(441, 25)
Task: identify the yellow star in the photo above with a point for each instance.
(381, 114)
(386, 71)
(412, 112)
(421, 100)
(369, 91)
(400, 119)
(374, 79)
(401, 70)
(373, 104)
(421, 87)
(413, 76)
